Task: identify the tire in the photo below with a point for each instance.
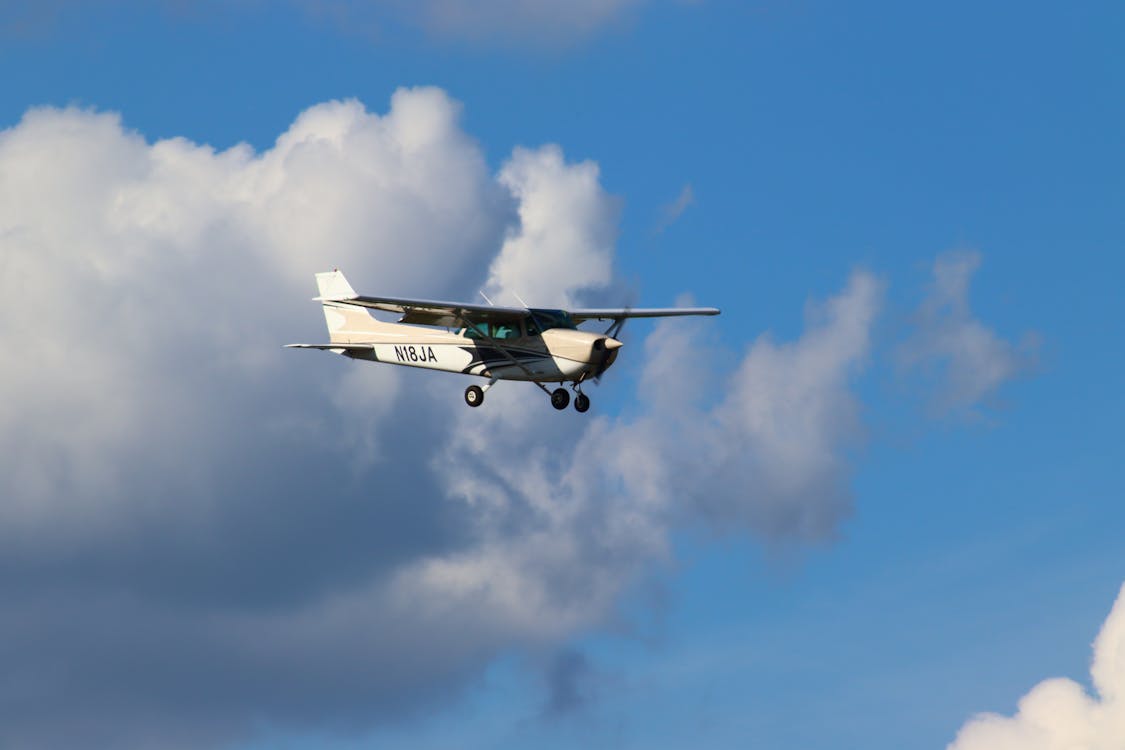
(474, 395)
(560, 399)
(581, 403)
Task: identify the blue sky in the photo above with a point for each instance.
(972, 546)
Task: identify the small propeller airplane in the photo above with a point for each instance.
(498, 343)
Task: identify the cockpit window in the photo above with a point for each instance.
(501, 331)
(498, 331)
(536, 323)
(547, 319)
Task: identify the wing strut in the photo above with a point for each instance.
(615, 329)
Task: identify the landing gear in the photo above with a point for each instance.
(560, 399)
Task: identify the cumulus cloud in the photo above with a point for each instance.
(963, 362)
(1058, 714)
(770, 457)
(183, 501)
(567, 229)
(167, 267)
(200, 530)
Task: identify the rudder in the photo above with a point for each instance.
(333, 286)
(347, 324)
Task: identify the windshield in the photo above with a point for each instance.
(542, 320)
(536, 323)
(498, 331)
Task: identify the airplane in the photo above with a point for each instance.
(498, 343)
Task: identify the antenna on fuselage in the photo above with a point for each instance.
(486, 299)
(521, 301)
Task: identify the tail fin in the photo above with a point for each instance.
(347, 324)
(333, 286)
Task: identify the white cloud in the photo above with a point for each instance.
(596, 503)
(1058, 714)
(791, 411)
(964, 362)
(326, 541)
(567, 229)
(164, 459)
(136, 274)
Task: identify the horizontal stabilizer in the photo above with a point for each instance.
(355, 351)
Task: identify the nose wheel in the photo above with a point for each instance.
(474, 395)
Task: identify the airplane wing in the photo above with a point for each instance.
(334, 288)
(622, 313)
(434, 312)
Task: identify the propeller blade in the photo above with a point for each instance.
(610, 354)
(608, 347)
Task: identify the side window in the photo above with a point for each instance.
(501, 331)
(475, 331)
(533, 328)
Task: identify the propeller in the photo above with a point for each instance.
(608, 353)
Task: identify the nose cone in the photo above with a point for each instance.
(605, 352)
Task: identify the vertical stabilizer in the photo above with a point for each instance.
(347, 324)
(333, 286)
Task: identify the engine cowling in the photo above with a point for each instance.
(604, 354)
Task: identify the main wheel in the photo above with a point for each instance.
(474, 395)
(581, 403)
(560, 398)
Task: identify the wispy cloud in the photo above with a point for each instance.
(506, 22)
(518, 20)
(960, 361)
(517, 23)
(670, 212)
(1058, 714)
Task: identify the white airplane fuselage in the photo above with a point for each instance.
(555, 355)
(540, 345)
